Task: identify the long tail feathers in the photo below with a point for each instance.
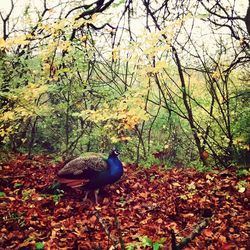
(73, 183)
(54, 188)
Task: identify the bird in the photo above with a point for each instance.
(98, 171)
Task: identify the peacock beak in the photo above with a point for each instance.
(115, 151)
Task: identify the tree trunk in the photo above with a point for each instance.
(188, 108)
(247, 19)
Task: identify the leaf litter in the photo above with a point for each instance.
(141, 209)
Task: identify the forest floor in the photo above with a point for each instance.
(138, 212)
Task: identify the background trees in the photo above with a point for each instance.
(165, 79)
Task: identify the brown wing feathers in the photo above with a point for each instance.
(75, 172)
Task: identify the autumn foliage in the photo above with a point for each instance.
(138, 212)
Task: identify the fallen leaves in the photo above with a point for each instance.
(208, 233)
(145, 205)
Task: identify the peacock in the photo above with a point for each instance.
(98, 171)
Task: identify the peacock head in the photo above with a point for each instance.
(114, 152)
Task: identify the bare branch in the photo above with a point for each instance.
(6, 20)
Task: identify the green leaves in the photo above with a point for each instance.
(144, 242)
(56, 198)
(243, 172)
(39, 246)
(2, 194)
(17, 184)
(241, 186)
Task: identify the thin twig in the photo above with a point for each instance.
(191, 236)
(121, 241)
(105, 228)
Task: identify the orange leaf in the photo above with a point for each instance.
(92, 219)
(144, 195)
(208, 233)
(228, 246)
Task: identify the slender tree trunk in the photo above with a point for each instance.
(188, 108)
(32, 137)
(247, 18)
(67, 119)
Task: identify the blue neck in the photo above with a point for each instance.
(115, 166)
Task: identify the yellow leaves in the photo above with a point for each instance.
(115, 139)
(23, 112)
(32, 91)
(83, 38)
(241, 142)
(46, 66)
(153, 45)
(78, 23)
(19, 40)
(2, 43)
(56, 27)
(94, 18)
(149, 70)
(59, 25)
(141, 52)
(6, 132)
(116, 53)
(2, 133)
(11, 42)
(27, 95)
(9, 115)
(216, 75)
(160, 65)
(152, 38)
(65, 46)
(122, 116)
(65, 25)
(24, 105)
(48, 50)
(54, 46)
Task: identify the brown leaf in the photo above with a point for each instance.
(229, 246)
(208, 233)
(149, 208)
(26, 244)
(92, 219)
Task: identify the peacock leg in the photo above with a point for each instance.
(86, 196)
(96, 195)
